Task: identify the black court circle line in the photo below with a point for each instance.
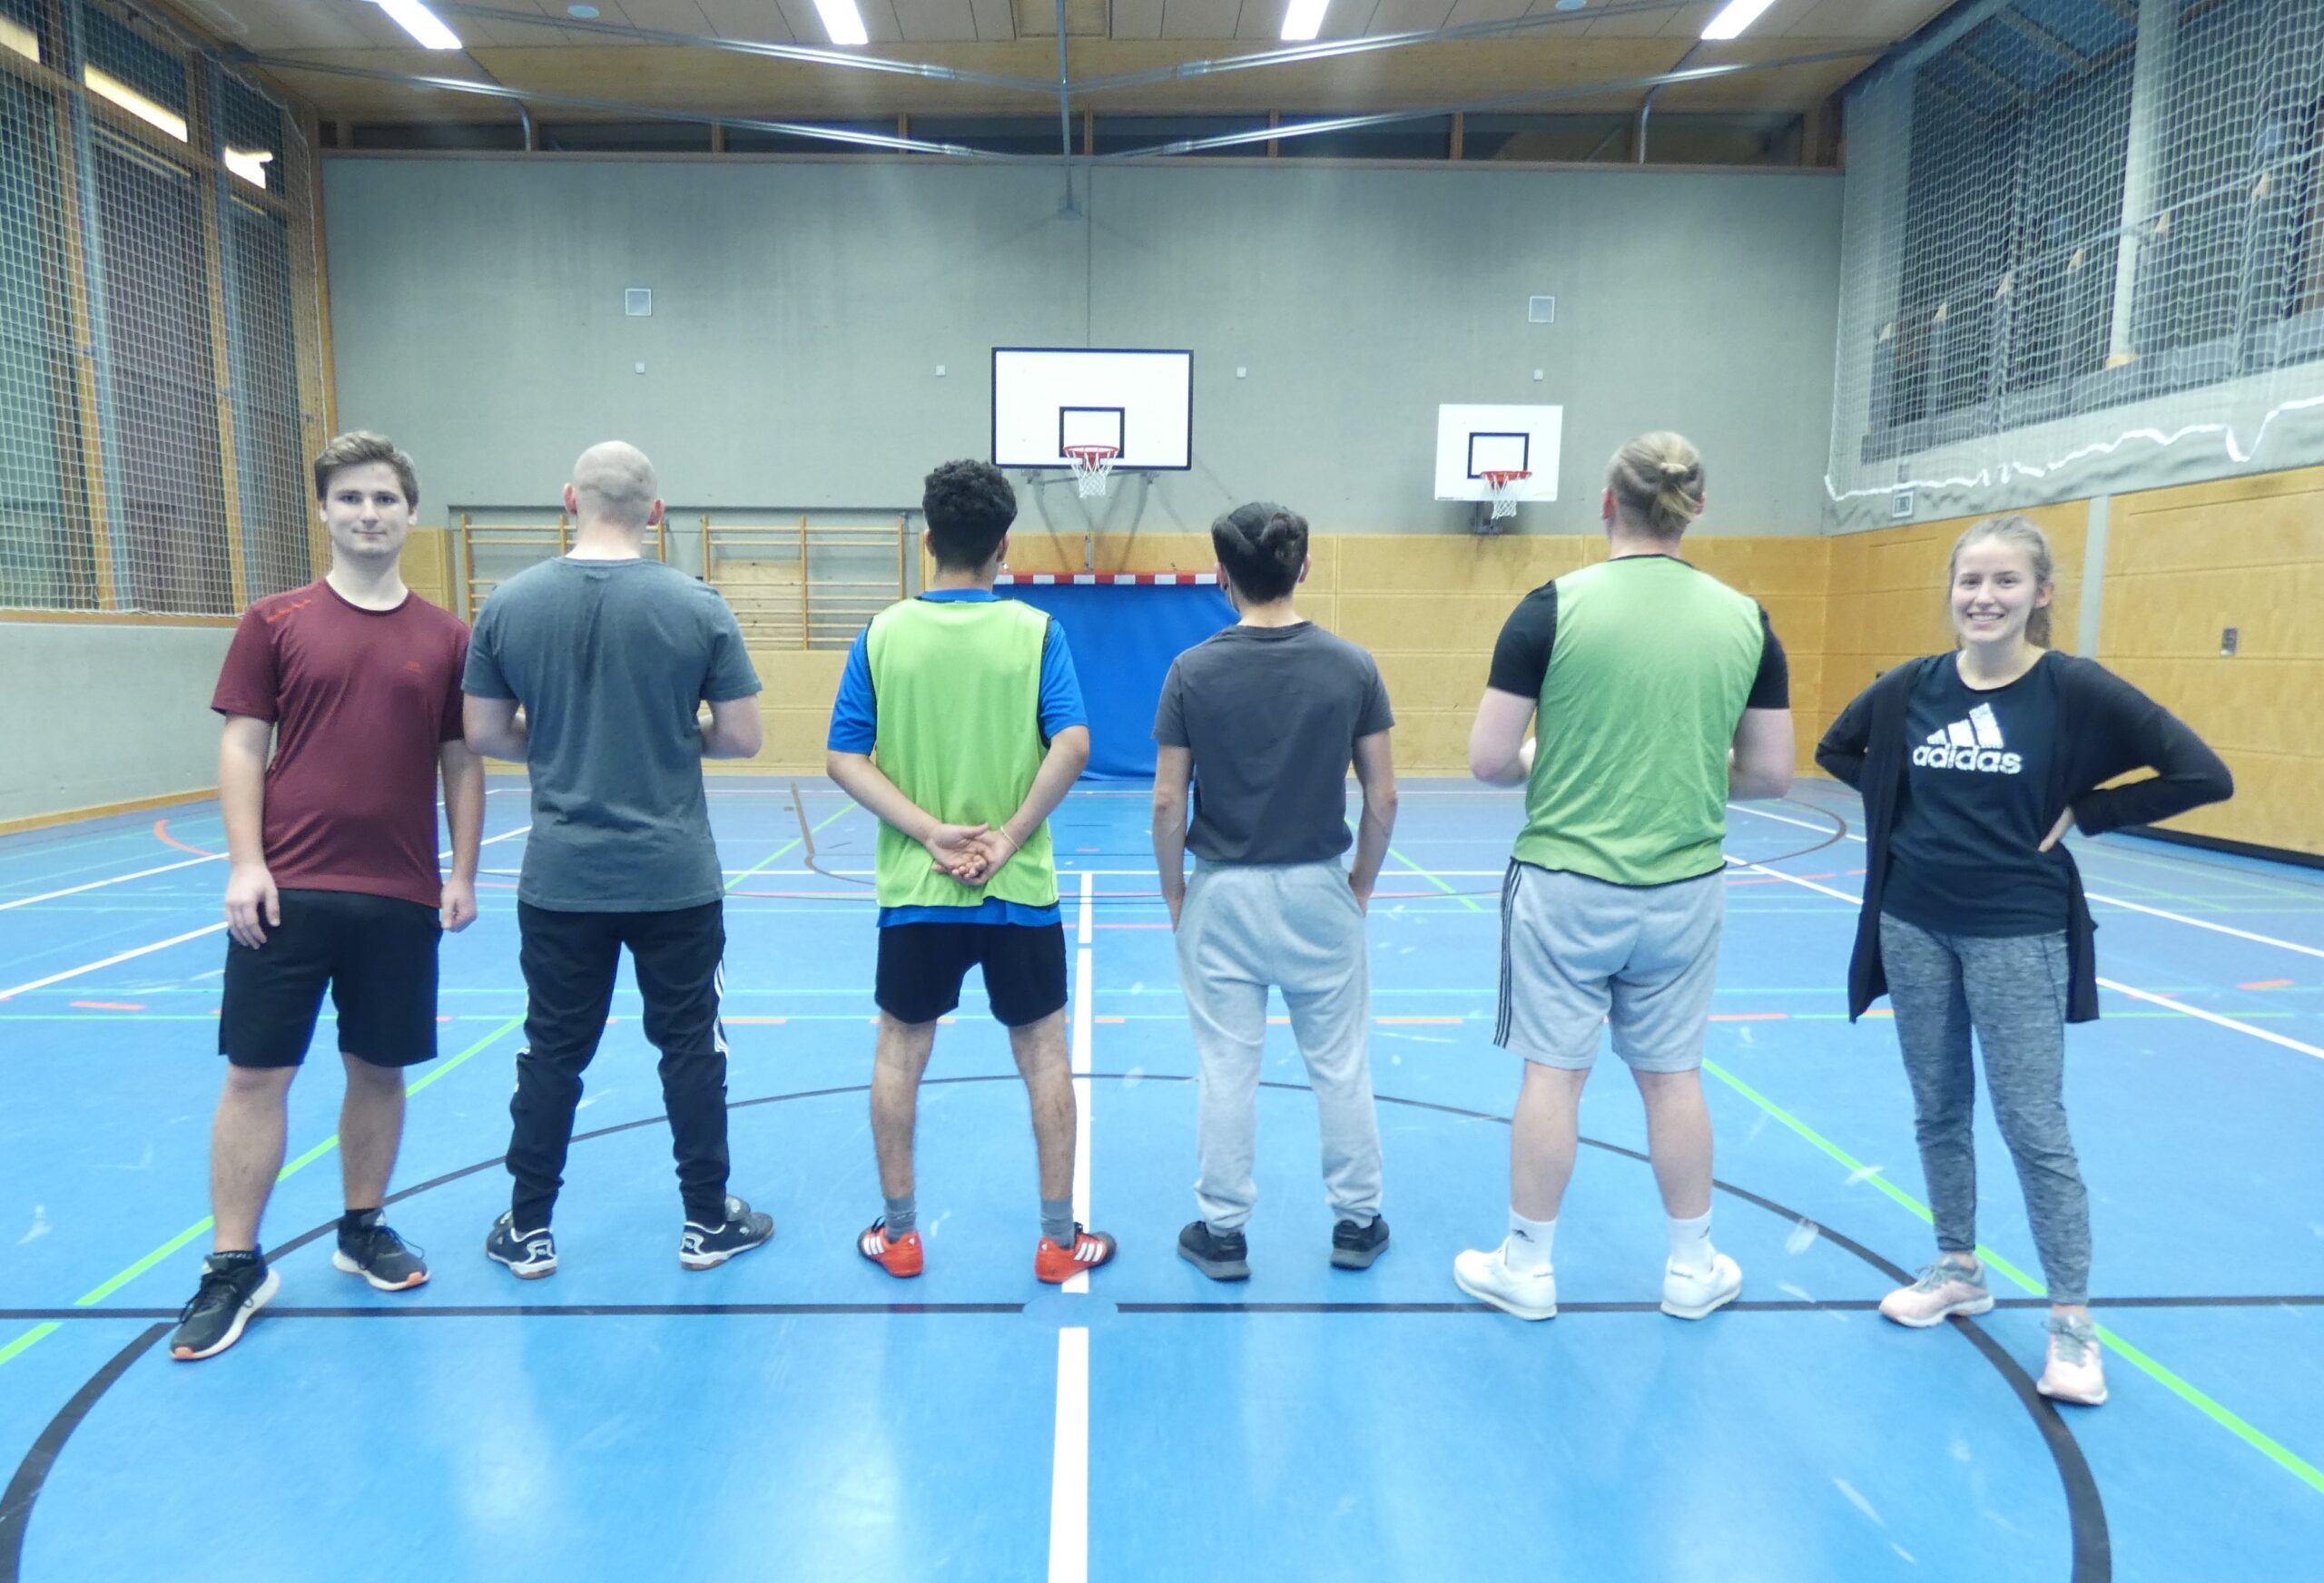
(2092, 1545)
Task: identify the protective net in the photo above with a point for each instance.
(2084, 251)
(159, 372)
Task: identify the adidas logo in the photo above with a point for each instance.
(1974, 743)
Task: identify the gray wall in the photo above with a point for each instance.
(117, 712)
(800, 309)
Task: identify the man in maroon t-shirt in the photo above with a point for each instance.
(355, 683)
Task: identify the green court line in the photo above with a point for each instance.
(1468, 902)
(114, 1283)
(845, 808)
(2251, 1435)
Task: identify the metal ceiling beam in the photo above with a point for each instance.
(1333, 49)
(805, 55)
(1475, 106)
(801, 129)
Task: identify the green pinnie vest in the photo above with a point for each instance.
(1646, 683)
(957, 690)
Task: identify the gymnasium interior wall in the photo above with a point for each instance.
(102, 717)
(801, 312)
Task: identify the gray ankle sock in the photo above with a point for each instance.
(902, 1214)
(1057, 1221)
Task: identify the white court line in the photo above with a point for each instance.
(1069, 1464)
(175, 939)
(1079, 1280)
(2265, 939)
(2148, 995)
(116, 879)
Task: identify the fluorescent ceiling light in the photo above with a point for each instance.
(106, 86)
(15, 35)
(1305, 19)
(422, 24)
(1737, 15)
(842, 21)
(249, 164)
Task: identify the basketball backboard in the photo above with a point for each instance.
(1046, 398)
(1472, 441)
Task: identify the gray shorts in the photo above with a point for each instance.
(1575, 952)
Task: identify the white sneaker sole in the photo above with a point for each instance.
(346, 1265)
(1970, 1309)
(1509, 1305)
(250, 1305)
(2071, 1398)
(1706, 1309)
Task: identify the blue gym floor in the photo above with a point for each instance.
(797, 1414)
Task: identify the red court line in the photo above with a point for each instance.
(757, 1021)
(2266, 984)
(107, 1006)
(1422, 1021)
(161, 833)
(1750, 1017)
(1130, 926)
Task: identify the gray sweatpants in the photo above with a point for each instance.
(2012, 992)
(1298, 927)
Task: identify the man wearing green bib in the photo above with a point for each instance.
(959, 723)
(1658, 693)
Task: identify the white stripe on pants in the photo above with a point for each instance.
(1296, 927)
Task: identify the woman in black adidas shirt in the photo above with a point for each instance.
(1974, 765)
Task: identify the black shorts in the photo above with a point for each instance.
(921, 965)
(376, 954)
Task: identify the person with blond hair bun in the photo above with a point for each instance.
(1974, 765)
(1657, 693)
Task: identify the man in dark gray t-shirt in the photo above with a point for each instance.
(1271, 715)
(611, 655)
(612, 659)
(1265, 718)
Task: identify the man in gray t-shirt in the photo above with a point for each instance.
(611, 655)
(1266, 718)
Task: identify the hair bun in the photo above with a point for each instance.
(1677, 472)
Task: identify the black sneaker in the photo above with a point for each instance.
(375, 1253)
(1354, 1247)
(234, 1287)
(1222, 1256)
(530, 1254)
(701, 1247)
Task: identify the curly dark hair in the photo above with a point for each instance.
(969, 505)
(1262, 546)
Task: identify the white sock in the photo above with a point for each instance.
(1530, 1242)
(1690, 1248)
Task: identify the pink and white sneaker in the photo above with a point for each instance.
(2073, 1372)
(1945, 1289)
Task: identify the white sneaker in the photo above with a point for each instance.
(2073, 1372)
(1488, 1278)
(1692, 1293)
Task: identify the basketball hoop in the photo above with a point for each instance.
(1092, 466)
(1501, 484)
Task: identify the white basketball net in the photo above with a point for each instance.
(1503, 489)
(1092, 466)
